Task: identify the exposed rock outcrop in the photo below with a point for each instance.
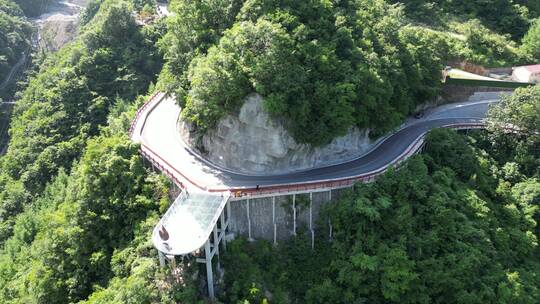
(58, 25)
(253, 142)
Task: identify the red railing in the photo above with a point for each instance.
(170, 170)
(180, 179)
(349, 181)
(140, 112)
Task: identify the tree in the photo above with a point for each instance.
(518, 114)
(531, 41)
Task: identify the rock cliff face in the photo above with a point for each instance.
(254, 143)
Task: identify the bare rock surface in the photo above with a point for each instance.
(254, 143)
(57, 26)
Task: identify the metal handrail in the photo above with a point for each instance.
(140, 111)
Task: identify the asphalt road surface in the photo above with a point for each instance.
(160, 134)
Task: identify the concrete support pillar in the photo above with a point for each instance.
(223, 228)
(209, 272)
(330, 221)
(311, 220)
(161, 259)
(172, 261)
(311, 210)
(228, 210)
(216, 247)
(248, 221)
(330, 228)
(294, 213)
(274, 219)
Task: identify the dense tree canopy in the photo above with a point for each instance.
(69, 99)
(78, 204)
(323, 67)
(504, 16)
(531, 41)
(515, 126)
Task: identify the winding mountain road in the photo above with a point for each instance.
(187, 224)
(156, 130)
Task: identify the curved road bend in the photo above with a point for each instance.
(159, 134)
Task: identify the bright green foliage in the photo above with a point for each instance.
(88, 227)
(448, 227)
(67, 101)
(15, 35)
(197, 26)
(323, 68)
(531, 41)
(477, 44)
(447, 150)
(519, 116)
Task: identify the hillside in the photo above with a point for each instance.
(324, 67)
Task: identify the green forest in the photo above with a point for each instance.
(456, 224)
(326, 66)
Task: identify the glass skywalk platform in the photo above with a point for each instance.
(188, 223)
